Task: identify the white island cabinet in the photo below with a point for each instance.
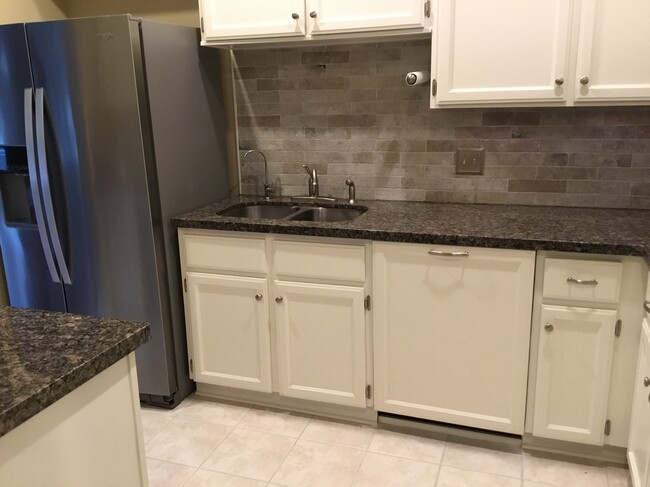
(90, 437)
(452, 328)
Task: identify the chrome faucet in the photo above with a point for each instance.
(268, 188)
(352, 198)
(313, 181)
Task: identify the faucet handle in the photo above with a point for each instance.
(351, 191)
(307, 169)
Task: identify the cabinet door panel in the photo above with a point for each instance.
(230, 331)
(573, 372)
(496, 51)
(614, 51)
(639, 443)
(245, 19)
(321, 342)
(334, 16)
(452, 334)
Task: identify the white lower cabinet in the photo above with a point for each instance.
(573, 373)
(639, 443)
(452, 328)
(229, 329)
(321, 332)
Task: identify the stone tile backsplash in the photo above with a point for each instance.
(345, 110)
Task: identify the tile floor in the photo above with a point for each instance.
(204, 444)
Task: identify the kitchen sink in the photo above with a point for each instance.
(294, 213)
(276, 212)
(322, 214)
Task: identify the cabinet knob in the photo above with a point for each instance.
(646, 381)
(584, 80)
(313, 14)
(295, 16)
(548, 327)
(258, 297)
(279, 299)
(559, 81)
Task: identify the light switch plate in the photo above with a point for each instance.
(470, 161)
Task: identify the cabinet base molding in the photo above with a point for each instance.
(565, 450)
(454, 433)
(274, 400)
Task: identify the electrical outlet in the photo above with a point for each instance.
(470, 161)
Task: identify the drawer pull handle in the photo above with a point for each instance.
(448, 254)
(548, 327)
(646, 381)
(646, 306)
(583, 282)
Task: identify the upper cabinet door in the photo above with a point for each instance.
(340, 16)
(250, 19)
(613, 51)
(501, 51)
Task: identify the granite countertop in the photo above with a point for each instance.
(45, 355)
(591, 230)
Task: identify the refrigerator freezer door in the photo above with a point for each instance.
(14, 78)
(30, 281)
(96, 156)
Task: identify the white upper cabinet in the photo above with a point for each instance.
(501, 51)
(226, 22)
(340, 16)
(250, 19)
(613, 62)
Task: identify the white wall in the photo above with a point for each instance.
(13, 11)
(182, 12)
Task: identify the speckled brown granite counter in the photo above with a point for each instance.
(591, 230)
(45, 355)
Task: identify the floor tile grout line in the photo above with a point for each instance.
(354, 477)
(442, 458)
(295, 441)
(216, 447)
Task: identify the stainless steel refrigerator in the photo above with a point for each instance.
(109, 126)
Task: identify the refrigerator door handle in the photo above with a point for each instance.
(33, 183)
(45, 186)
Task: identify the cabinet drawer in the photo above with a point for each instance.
(582, 280)
(320, 261)
(225, 253)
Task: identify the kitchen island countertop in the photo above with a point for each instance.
(569, 229)
(46, 355)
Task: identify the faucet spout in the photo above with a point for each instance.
(268, 188)
(313, 181)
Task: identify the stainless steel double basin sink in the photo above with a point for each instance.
(293, 212)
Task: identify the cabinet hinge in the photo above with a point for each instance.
(368, 391)
(427, 8)
(608, 427)
(191, 365)
(367, 302)
(185, 285)
(202, 27)
(434, 87)
(617, 328)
